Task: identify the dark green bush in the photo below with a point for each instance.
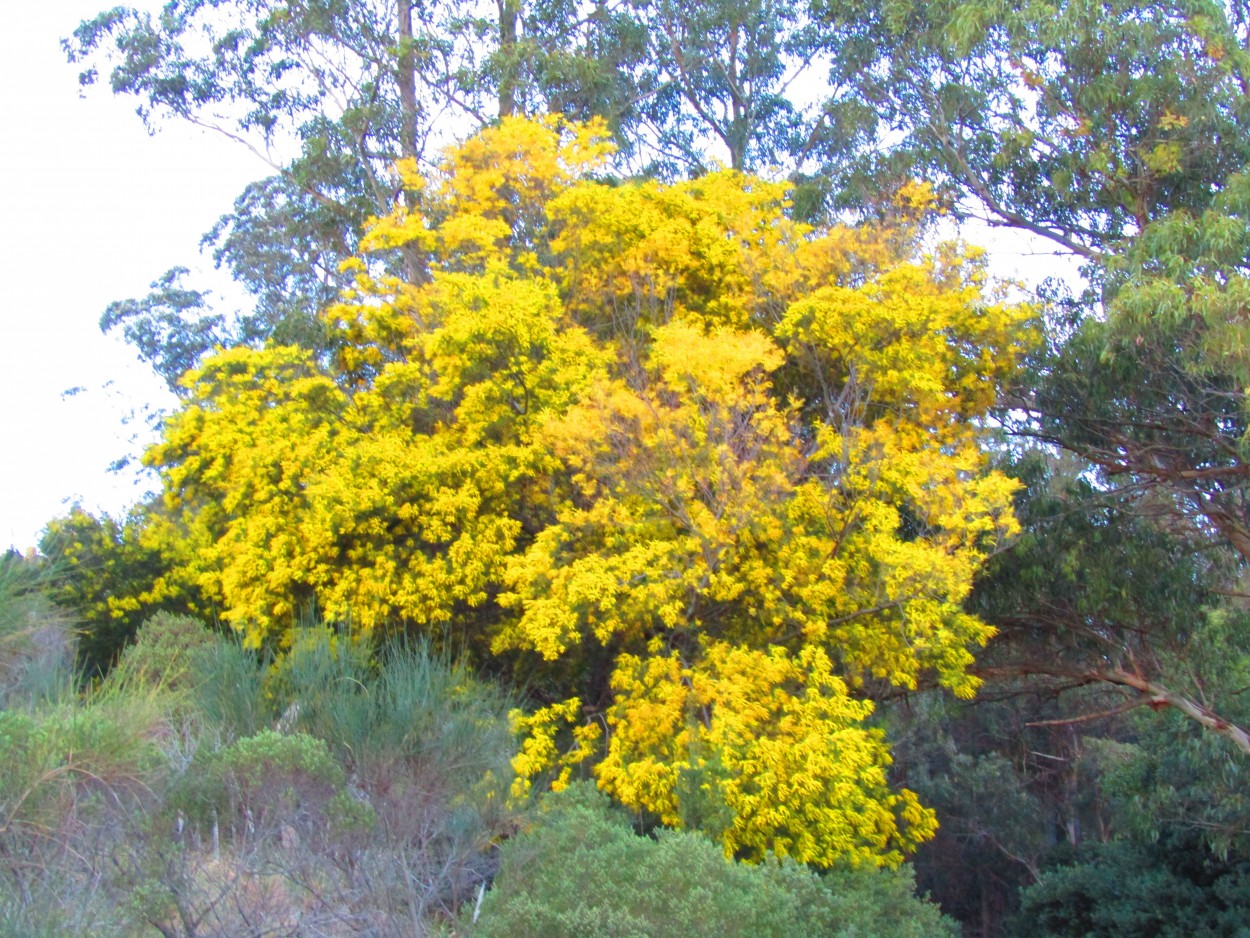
(1170, 889)
(582, 871)
(164, 652)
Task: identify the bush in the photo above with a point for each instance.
(582, 871)
(372, 782)
(73, 777)
(164, 651)
(270, 783)
(324, 794)
(404, 703)
(1169, 889)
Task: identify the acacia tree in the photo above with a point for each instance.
(708, 472)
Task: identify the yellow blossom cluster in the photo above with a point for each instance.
(709, 470)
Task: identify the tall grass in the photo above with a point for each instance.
(403, 701)
(36, 641)
(228, 690)
(202, 789)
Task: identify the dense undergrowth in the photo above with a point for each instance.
(336, 789)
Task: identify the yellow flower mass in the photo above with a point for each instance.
(706, 474)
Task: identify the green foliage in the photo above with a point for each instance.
(1075, 121)
(1105, 580)
(316, 672)
(23, 600)
(430, 743)
(164, 798)
(1174, 777)
(41, 910)
(270, 782)
(582, 870)
(1052, 759)
(164, 652)
(395, 708)
(1086, 552)
(355, 86)
(36, 639)
(1169, 890)
(171, 328)
(721, 71)
(404, 701)
(110, 579)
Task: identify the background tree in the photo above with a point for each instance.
(724, 75)
(349, 88)
(110, 576)
(1080, 123)
(1095, 127)
(1115, 630)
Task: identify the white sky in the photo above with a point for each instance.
(92, 211)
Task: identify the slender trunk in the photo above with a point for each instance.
(415, 266)
(509, 21)
(738, 130)
(407, 80)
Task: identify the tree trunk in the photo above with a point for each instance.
(415, 267)
(406, 78)
(509, 20)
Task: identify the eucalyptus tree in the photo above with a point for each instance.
(348, 87)
(1080, 122)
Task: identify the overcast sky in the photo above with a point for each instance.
(92, 210)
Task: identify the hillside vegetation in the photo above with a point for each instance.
(627, 503)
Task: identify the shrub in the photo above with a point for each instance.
(270, 783)
(72, 778)
(163, 652)
(583, 871)
(372, 811)
(386, 771)
(404, 703)
(1174, 888)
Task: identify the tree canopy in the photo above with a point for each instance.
(734, 460)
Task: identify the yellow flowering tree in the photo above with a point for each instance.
(713, 472)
